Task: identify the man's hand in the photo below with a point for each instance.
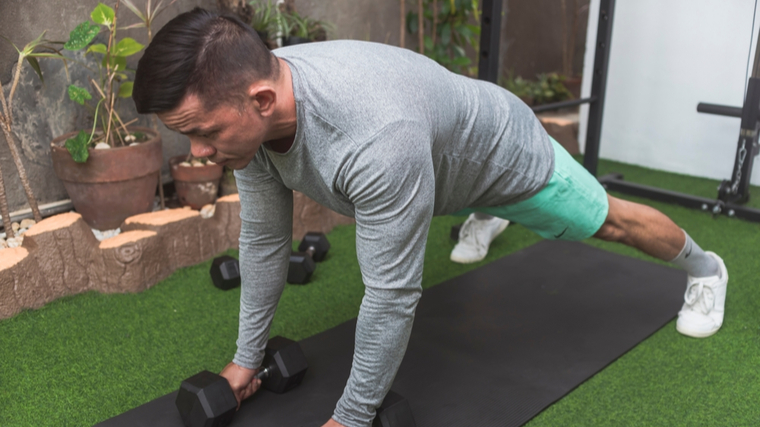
(241, 381)
(333, 423)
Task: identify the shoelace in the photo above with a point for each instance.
(700, 297)
(473, 228)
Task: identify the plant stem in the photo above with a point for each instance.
(4, 209)
(13, 90)
(22, 174)
(435, 20)
(402, 36)
(421, 25)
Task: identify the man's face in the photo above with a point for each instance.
(227, 135)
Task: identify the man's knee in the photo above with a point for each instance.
(610, 232)
(612, 229)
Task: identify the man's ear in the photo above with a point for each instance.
(263, 97)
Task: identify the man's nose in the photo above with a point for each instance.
(201, 150)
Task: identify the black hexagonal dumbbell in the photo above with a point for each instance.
(394, 412)
(225, 272)
(206, 399)
(313, 248)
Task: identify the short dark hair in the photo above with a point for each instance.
(203, 53)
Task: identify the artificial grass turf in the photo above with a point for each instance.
(86, 358)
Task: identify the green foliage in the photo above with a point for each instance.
(125, 90)
(550, 88)
(448, 32)
(112, 73)
(81, 36)
(79, 94)
(296, 25)
(77, 146)
(546, 89)
(103, 15)
(264, 16)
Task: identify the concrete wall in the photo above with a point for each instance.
(665, 58)
(531, 43)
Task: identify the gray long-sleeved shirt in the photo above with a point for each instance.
(391, 138)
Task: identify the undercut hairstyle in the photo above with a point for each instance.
(215, 57)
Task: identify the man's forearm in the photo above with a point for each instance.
(382, 334)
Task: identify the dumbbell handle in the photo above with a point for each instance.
(264, 373)
(310, 251)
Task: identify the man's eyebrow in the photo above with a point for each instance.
(195, 131)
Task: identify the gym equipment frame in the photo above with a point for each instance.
(732, 193)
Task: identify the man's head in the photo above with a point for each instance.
(204, 54)
(211, 78)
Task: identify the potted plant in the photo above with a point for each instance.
(297, 29)
(110, 171)
(196, 180)
(264, 19)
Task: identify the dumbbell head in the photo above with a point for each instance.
(301, 268)
(285, 363)
(394, 412)
(225, 272)
(206, 400)
(317, 241)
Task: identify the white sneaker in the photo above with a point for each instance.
(475, 237)
(704, 303)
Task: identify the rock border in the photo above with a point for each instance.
(60, 256)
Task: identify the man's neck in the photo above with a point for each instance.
(285, 131)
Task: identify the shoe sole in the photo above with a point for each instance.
(471, 260)
(695, 334)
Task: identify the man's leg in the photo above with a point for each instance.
(475, 237)
(653, 233)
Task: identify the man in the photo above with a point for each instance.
(391, 138)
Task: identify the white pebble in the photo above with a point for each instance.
(14, 242)
(130, 138)
(209, 162)
(134, 143)
(185, 164)
(102, 146)
(3, 245)
(15, 226)
(106, 234)
(208, 211)
(27, 223)
(197, 163)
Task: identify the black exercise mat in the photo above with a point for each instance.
(492, 347)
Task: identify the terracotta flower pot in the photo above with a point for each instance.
(196, 186)
(112, 184)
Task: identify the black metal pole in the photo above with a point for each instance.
(562, 104)
(599, 84)
(490, 34)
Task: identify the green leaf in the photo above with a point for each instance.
(461, 61)
(81, 36)
(119, 61)
(36, 66)
(77, 146)
(79, 94)
(125, 90)
(446, 34)
(103, 15)
(98, 48)
(127, 46)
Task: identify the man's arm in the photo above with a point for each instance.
(265, 243)
(392, 186)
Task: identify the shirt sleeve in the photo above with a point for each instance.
(266, 212)
(391, 183)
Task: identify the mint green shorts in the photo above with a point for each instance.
(572, 206)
